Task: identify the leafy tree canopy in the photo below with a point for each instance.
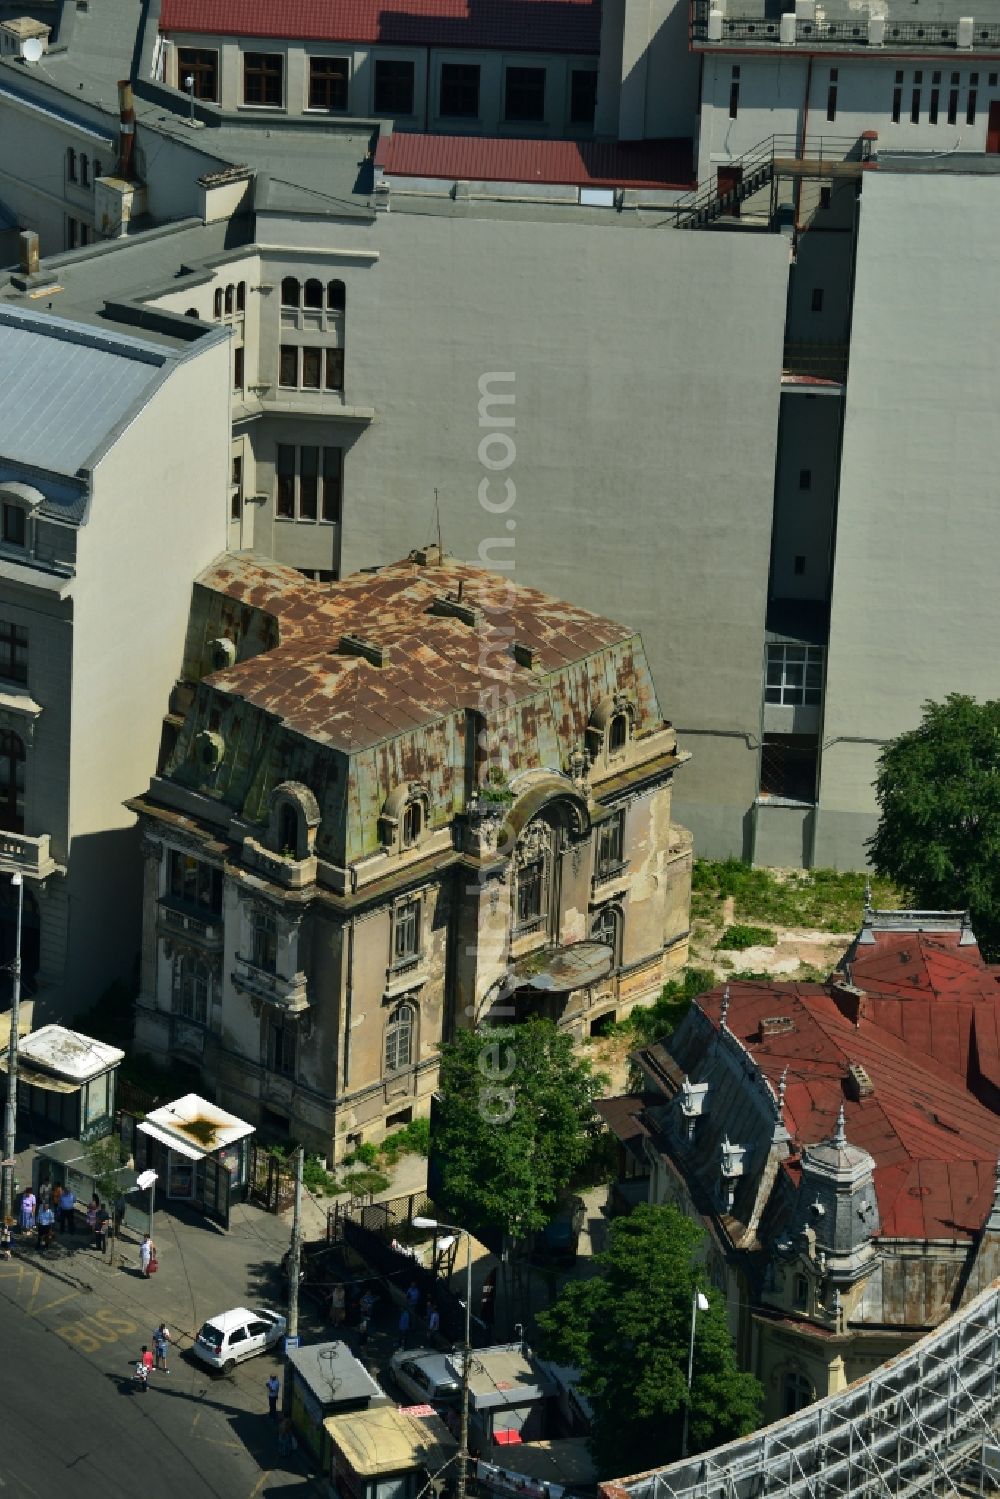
(938, 791)
(627, 1329)
(515, 1123)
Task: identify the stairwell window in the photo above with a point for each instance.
(794, 675)
(932, 112)
(831, 96)
(734, 94)
(953, 100)
(970, 108)
(897, 99)
(238, 367)
(918, 79)
(13, 653)
(236, 488)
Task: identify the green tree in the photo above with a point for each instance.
(515, 1124)
(938, 791)
(106, 1157)
(627, 1329)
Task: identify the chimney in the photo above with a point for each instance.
(368, 650)
(126, 131)
(851, 1001)
(774, 1025)
(29, 258)
(859, 1083)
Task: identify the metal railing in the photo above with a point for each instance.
(760, 27)
(824, 361)
(705, 203)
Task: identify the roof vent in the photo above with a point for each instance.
(859, 1083)
(428, 556)
(775, 1025)
(357, 645)
(450, 605)
(525, 655)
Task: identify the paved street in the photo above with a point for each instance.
(71, 1328)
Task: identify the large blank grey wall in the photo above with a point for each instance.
(647, 366)
(916, 608)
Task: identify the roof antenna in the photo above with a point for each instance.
(437, 512)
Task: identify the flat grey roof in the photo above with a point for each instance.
(334, 1375)
(64, 389)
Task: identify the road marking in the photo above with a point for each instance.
(257, 1486)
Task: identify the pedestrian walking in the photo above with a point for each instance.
(147, 1256)
(46, 1226)
(101, 1229)
(286, 1440)
(28, 1201)
(404, 1327)
(363, 1331)
(161, 1338)
(413, 1296)
(338, 1305)
(146, 1359)
(67, 1211)
(433, 1320)
(55, 1199)
(273, 1391)
(6, 1239)
(140, 1377)
(91, 1213)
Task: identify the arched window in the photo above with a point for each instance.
(192, 312)
(71, 164)
(313, 296)
(399, 1038)
(192, 987)
(797, 1393)
(290, 292)
(218, 301)
(11, 782)
(241, 296)
(618, 732)
(230, 295)
(288, 830)
(412, 824)
(336, 296)
(84, 170)
(606, 929)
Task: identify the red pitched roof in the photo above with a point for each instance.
(477, 158)
(524, 25)
(934, 1143)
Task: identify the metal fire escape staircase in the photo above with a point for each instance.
(776, 157)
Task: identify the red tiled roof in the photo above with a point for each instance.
(479, 158)
(524, 25)
(920, 965)
(934, 1143)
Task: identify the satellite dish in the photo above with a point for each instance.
(32, 49)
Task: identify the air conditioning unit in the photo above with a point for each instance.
(876, 31)
(966, 26)
(715, 26)
(787, 32)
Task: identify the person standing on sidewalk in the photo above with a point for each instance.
(67, 1211)
(27, 1210)
(146, 1253)
(273, 1391)
(161, 1337)
(101, 1229)
(404, 1327)
(46, 1226)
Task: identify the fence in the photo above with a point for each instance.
(272, 1180)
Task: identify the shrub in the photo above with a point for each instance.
(316, 1178)
(656, 1021)
(365, 1183)
(738, 937)
(413, 1139)
(362, 1155)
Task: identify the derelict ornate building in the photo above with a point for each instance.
(415, 800)
(839, 1142)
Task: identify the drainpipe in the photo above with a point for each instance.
(348, 1003)
(802, 144)
(126, 131)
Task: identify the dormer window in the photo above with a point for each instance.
(618, 732)
(288, 829)
(15, 529)
(413, 823)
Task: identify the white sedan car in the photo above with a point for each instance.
(226, 1340)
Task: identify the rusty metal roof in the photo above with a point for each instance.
(655, 164)
(434, 663)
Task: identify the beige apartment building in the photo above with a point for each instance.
(103, 519)
(417, 800)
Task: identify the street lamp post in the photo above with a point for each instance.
(10, 1118)
(699, 1303)
(463, 1445)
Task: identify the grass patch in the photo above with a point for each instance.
(365, 1183)
(317, 1180)
(741, 936)
(826, 900)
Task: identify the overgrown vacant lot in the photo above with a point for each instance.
(823, 900)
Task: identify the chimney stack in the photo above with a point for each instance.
(126, 131)
(29, 258)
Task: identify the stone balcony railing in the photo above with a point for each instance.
(260, 983)
(32, 856)
(204, 926)
(293, 873)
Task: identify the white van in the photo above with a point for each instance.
(225, 1340)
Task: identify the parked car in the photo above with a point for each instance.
(425, 1376)
(226, 1340)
